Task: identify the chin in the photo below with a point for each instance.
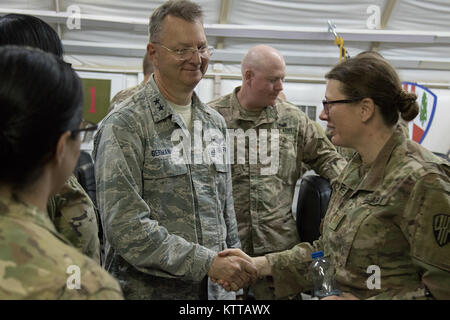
(335, 140)
(193, 80)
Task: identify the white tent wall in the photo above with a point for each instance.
(414, 35)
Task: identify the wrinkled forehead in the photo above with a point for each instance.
(182, 31)
(271, 68)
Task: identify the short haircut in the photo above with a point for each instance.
(147, 65)
(184, 9)
(24, 30)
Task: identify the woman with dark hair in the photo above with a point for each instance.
(40, 104)
(71, 210)
(388, 221)
(25, 30)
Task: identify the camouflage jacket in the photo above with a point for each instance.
(263, 200)
(164, 219)
(348, 153)
(73, 215)
(393, 217)
(36, 262)
(122, 95)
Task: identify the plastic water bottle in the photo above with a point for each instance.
(322, 273)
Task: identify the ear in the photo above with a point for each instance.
(151, 51)
(248, 75)
(367, 110)
(61, 147)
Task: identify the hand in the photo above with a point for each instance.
(261, 263)
(345, 296)
(233, 271)
(235, 252)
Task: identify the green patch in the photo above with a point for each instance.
(96, 94)
(441, 229)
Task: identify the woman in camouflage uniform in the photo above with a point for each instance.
(71, 210)
(388, 222)
(40, 99)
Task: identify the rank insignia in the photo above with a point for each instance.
(441, 229)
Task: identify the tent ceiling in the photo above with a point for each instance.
(413, 34)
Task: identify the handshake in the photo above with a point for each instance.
(233, 269)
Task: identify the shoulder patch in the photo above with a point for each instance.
(441, 229)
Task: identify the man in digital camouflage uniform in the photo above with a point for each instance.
(166, 214)
(263, 200)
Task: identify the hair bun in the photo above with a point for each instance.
(407, 105)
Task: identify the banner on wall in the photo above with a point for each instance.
(427, 100)
(97, 93)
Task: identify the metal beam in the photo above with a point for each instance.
(390, 5)
(386, 16)
(235, 57)
(255, 32)
(223, 19)
(224, 9)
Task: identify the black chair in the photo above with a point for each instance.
(312, 203)
(85, 174)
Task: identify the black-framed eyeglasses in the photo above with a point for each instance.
(325, 103)
(187, 53)
(90, 128)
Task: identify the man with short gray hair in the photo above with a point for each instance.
(166, 220)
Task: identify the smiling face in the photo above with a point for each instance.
(343, 122)
(177, 34)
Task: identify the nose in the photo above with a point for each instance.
(279, 85)
(196, 57)
(323, 116)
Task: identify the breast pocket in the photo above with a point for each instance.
(220, 172)
(352, 229)
(287, 159)
(167, 188)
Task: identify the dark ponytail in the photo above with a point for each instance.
(40, 98)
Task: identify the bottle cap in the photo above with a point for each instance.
(317, 254)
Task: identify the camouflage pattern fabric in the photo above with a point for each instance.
(394, 215)
(35, 260)
(348, 153)
(263, 202)
(73, 215)
(122, 95)
(164, 220)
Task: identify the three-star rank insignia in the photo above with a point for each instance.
(441, 229)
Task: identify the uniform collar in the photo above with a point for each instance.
(373, 179)
(268, 115)
(12, 207)
(159, 106)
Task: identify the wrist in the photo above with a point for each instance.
(263, 266)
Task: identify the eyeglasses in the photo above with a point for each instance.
(91, 128)
(187, 53)
(325, 103)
